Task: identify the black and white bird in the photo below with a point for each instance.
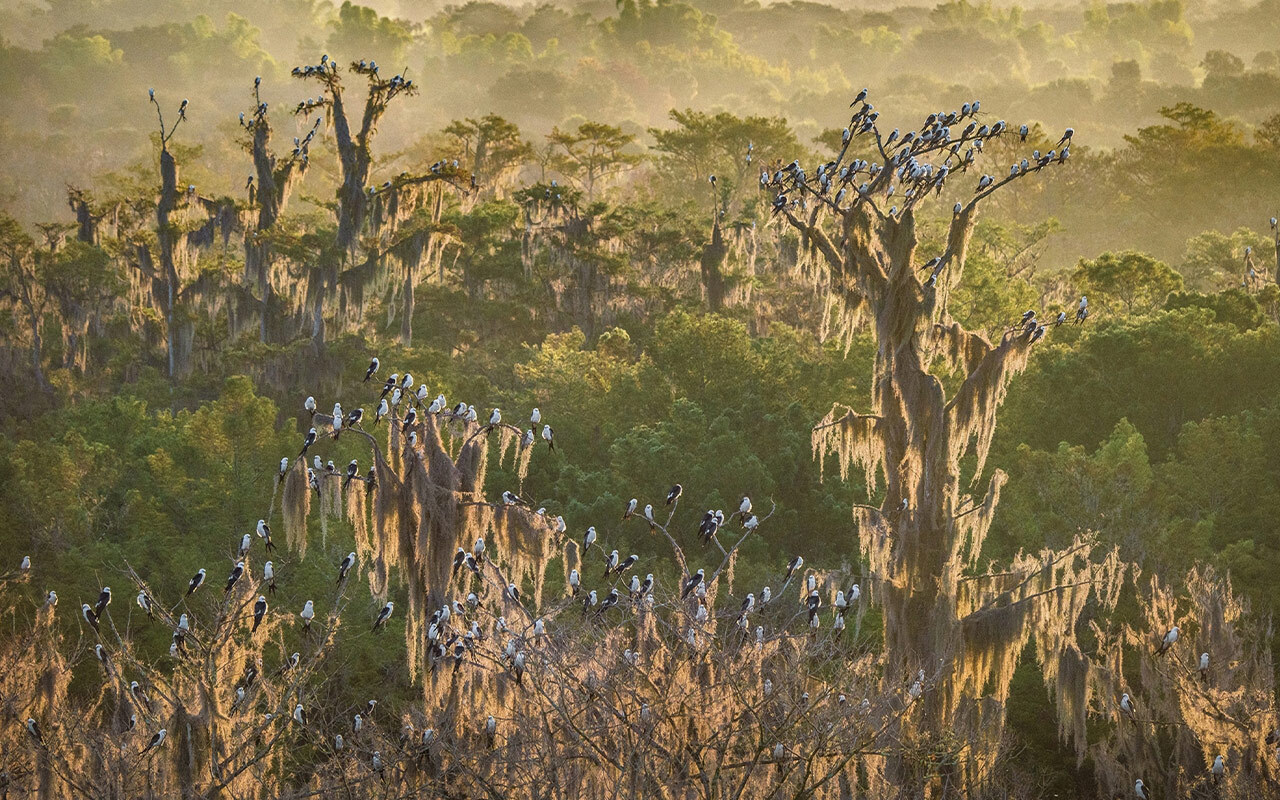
(144, 603)
(34, 730)
(410, 419)
(345, 566)
(51, 599)
(259, 612)
(1204, 667)
(610, 563)
(575, 582)
(589, 538)
(1082, 310)
(1169, 639)
(352, 469)
(308, 613)
(692, 583)
(495, 419)
(300, 714)
(627, 563)
(1219, 767)
(1022, 133)
(264, 533)
(284, 467)
(1066, 137)
(384, 615)
(310, 405)
(196, 581)
(269, 575)
(609, 601)
(307, 441)
(1140, 790)
(744, 508)
(813, 603)
(1127, 706)
(104, 600)
(136, 690)
(156, 740)
(535, 417)
(631, 509)
(86, 611)
(373, 367)
(795, 564)
(549, 436)
(338, 419)
(236, 572)
(245, 542)
(645, 586)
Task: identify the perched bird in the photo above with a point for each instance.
(300, 714)
(590, 538)
(535, 417)
(631, 509)
(575, 582)
(196, 581)
(495, 419)
(345, 566)
(308, 613)
(25, 566)
(34, 730)
(352, 469)
(51, 599)
(309, 440)
(1140, 790)
(104, 600)
(236, 572)
(744, 507)
(384, 615)
(310, 405)
(144, 603)
(549, 436)
(1167, 641)
(610, 563)
(1204, 667)
(259, 611)
(264, 533)
(795, 564)
(156, 740)
(373, 367)
(269, 575)
(1127, 706)
(692, 583)
(245, 541)
(1082, 311)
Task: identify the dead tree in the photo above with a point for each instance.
(355, 155)
(276, 178)
(857, 219)
(166, 228)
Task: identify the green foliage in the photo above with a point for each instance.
(1128, 282)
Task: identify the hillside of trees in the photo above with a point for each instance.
(689, 238)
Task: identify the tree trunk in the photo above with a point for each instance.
(713, 258)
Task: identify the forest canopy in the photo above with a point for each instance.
(900, 420)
